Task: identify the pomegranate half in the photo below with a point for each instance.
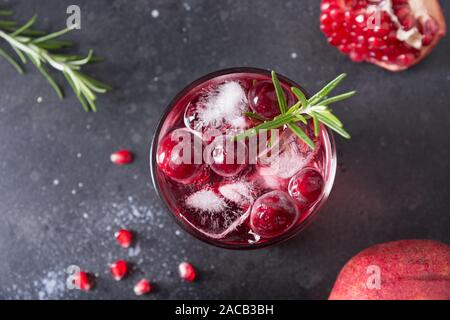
(393, 34)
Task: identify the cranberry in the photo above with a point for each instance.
(307, 186)
(228, 157)
(82, 281)
(124, 238)
(172, 161)
(122, 157)
(273, 214)
(263, 99)
(118, 269)
(142, 287)
(186, 271)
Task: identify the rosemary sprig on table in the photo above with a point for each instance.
(315, 108)
(43, 50)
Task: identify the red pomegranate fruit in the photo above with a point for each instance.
(399, 270)
(393, 34)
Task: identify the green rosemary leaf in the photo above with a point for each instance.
(280, 93)
(92, 105)
(273, 124)
(83, 102)
(71, 83)
(7, 24)
(294, 107)
(31, 32)
(10, 59)
(51, 36)
(20, 55)
(301, 118)
(93, 84)
(301, 134)
(255, 116)
(300, 96)
(26, 26)
(6, 13)
(73, 57)
(28, 33)
(316, 124)
(333, 126)
(83, 60)
(85, 90)
(52, 81)
(331, 117)
(54, 44)
(338, 98)
(326, 90)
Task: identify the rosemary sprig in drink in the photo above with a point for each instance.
(315, 108)
(40, 48)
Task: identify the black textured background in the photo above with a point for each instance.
(61, 199)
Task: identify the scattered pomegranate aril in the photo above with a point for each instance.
(82, 281)
(187, 271)
(142, 287)
(118, 269)
(122, 157)
(273, 214)
(124, 238)
(394, 34)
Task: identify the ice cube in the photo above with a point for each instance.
(213, 214)
(287, 156)
(221, 108)
(238, 192)
(206, 201)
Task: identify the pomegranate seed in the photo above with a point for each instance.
(82, 281)
(118, 269)
(142, 287)
(187, 271)
(124, 238)
(122, 157)
(429, 29)
(406, 59)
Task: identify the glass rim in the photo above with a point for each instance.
(202, 237)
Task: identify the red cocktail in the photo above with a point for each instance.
(239, 193)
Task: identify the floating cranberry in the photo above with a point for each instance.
(186, 271)
(118, 269)
(273, 214)
(263, 99)
(142, 287)
(122, 157)
(176, 156)
(82, 281)
(307, 186)
(228, 157)
(124, 238)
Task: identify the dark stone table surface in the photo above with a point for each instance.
(61, 199)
